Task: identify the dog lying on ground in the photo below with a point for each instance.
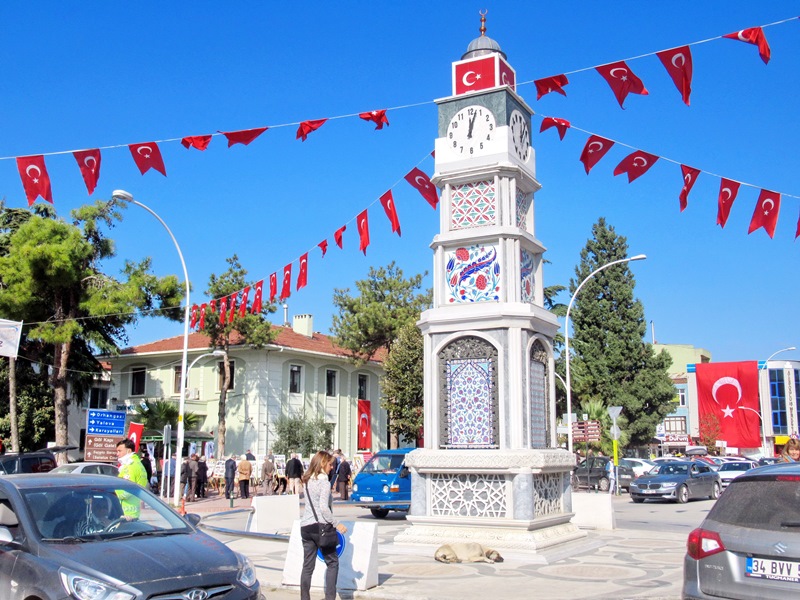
(466, 552)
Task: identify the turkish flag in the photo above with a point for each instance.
(690, 175)
(202, 323)
(596, 148)
(89, 164)
(727, 391)
(35, 179)
(474, 75)
(422, 183)
(727, 194)
(302, 277)
(619, 76)
(363, 231)
(560, 124)
(256, 309)
(273, 286)
(135, 431)
(376, 116)
(337, 235)
(678, 63)
(193, 321)
(507, 75)
(200, 142)
(635, 164)
(387, 201)
(766, 212)
(364, 425)
(754, 35)
(546, 85)
(243, 304)
(232, 307)
(245, 136)
(307, 127)
(223, 309)
(212, 305)
(323, 245)
(147, 156)
(286, 290)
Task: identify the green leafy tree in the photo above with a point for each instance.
(253, 330)
(597, 411)
(34, 412)
(298, 434)
(157, 414)
(710, 431)
(612, 363)
(403, 383)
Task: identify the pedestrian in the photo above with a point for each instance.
(335, 470)
(267, 476)
(612, 478)
(202, 477)
(791, 451)
(245, 471)
(318, 511)
(230, 476)
(148, 467)
(294, 471)
(191, 480)
(184, 477)
(131, 469)
(249, 455)
(343, 478)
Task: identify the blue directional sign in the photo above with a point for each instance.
(105, 422)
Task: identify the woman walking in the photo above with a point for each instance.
(318, 513)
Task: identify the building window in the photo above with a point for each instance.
(363, 385)
(98, 398)
(176, 380)
(675, 425)
(681, 396)
(295, 379)
(777, 395)
(138, 375)
(330, 382)
(221, 374)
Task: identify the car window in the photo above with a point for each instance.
(384, 463)
(672, 469)
(9, 465)
(759, 504)
(46, 464)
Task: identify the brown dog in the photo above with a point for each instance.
(466, 552)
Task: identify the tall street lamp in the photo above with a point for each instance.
(566, 337)
(128, 197)
(765, 368)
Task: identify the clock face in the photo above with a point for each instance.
(520, 135)
(470, 131)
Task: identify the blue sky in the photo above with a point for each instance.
(87, 75)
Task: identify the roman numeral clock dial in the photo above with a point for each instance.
(470, 131)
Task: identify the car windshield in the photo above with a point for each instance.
(772, 504)
(87, 513)
(735, 466)
(670, 469)
(383, 463)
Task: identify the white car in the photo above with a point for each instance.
(730, 470)
(640, 466)
(91, 468)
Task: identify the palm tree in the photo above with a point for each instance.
(159, 413)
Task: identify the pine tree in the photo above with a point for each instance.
(403, 384)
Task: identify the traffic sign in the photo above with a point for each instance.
(105, 422)
(101, 448)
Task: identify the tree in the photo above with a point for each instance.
(403, 383)
(597, 411)
(253, 330)
(297, 434)
(612, 362)
(34, 412)
(160, 413)
(710, 430)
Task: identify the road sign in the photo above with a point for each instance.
(101, 448)
(105, 422)
(586, 431)
(615, 432)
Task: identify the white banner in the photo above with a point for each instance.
(10, 332)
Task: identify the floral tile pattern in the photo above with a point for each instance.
(473, 205)
(473, 274)
(527, 289)
(470, 417)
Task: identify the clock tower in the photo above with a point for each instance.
(490, 470)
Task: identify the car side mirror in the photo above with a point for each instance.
(193, 519)
(5, 535)
(403, 472)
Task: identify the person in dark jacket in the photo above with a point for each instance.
(230, 476)
(148, 466)
(202, 477)
(343, 477)
(294, 471)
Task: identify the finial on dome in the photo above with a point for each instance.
(483, 14)
(483, 44)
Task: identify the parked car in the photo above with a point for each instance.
(40, 461)
(640, 466)
(730, 470)
(91, 468)
(769, 460)
(384, 483)
(94, 536)
(591, 473)
(679, 481)
(663, 459)
(748, 546)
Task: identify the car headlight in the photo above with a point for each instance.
(247, 571)
(87, 588)
(386, 489)
(669, 484)
(634, 485)
(355, 487)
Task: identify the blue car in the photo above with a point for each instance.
(384, 483)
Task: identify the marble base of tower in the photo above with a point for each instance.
(517, 500)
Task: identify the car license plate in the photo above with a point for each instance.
(366, 498)
(649, 491)
(767, 568)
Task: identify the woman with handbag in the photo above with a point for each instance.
(318, 527)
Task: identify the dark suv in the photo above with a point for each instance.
(591, 473)
(40, 461)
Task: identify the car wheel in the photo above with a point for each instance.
(714, 491)
(603, 484)
(379, 513)
(682, 495)
(637, 500)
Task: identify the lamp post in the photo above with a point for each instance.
(765, 368)
(566, 337)
(763, 433)
(128, 197)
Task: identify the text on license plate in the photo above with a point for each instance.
(366, 498)
(650, 491)
(779, 570)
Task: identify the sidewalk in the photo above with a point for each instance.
(607, 564)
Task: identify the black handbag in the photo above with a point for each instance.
(328, 536)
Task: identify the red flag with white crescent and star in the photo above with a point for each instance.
(690, 175)
(89, 164)
(193, 320)
(323, 245)
(363, 231)
(387, 201)
(422, 183)
(766, 212)
(755, 36)
(376, 116)
(561, 125)
(337, 235)
(364, 425)
(202, 323)
(212, 304)
(286, 289)
(546, 85)
(232, 307)
(147, 156)
(35, 179)
(619, 76)
(635, 164)
(273, 286)
(256, 309)
(474, 75)
(245, 136)
(302, 276)
(678, 63)
(243, 303)
(727, 194)
(223, 309)
(596, 148)
(729, 392)
(307, 127)
(200, 142)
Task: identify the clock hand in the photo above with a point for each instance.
(471, 125)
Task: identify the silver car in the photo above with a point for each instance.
(730, 470)
(748, 547)
(679, 481)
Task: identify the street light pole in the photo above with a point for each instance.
(128, 197)
(566, 338)
(763, 433)
(761, 404)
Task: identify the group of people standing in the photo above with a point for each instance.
(194, 477)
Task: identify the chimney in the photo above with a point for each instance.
(303, 324)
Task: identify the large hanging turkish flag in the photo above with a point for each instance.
(364, 425)
(729, 391)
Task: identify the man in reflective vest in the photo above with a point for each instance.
(132, 469)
